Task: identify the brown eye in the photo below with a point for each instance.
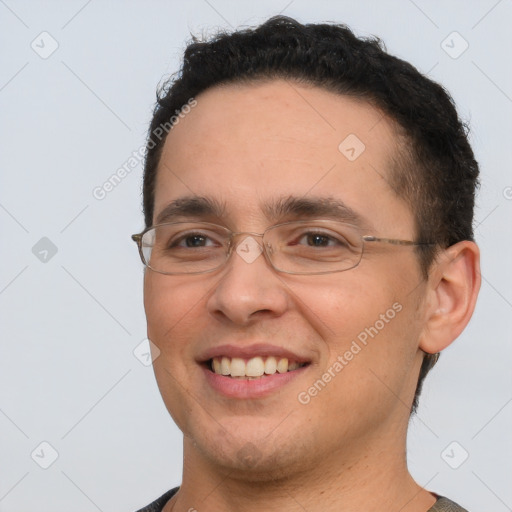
(317, 240)
(195, 241)
(313, 240)
(191, 240)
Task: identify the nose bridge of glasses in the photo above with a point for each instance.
(245, 243)
(247, 246)
(236, 238)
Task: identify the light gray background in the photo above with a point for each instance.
(68, 375)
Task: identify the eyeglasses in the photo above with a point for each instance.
(299, 247)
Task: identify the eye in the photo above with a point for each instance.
(191, 240)
(320, 239)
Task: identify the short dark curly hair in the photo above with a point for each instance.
(434, 169)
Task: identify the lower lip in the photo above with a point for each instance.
(250, 388)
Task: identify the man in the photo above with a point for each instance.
(308, 203)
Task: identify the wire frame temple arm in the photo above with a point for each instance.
(393, 241)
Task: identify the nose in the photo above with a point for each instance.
(249, 287)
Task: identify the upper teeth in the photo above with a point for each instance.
(254, 367)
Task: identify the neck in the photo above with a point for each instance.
(375, 479)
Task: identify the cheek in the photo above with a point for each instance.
(370, 331)
(171, 307)
(173, 320)
(341, 306)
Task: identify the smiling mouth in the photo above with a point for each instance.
(253, 368)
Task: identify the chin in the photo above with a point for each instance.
(262, 459)
(249, 464)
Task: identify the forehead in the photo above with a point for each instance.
(250, 144)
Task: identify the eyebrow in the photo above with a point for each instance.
(280, 209)
(311, 207)
(191, 206)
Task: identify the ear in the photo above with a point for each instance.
(453, 286)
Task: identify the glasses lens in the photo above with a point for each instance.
(185, 248)
(302, 247)
(314, 247)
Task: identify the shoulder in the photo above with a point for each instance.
(445, 505)
(441, 505)
(159, 504)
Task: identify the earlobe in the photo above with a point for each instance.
(454, 283)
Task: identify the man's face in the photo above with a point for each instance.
(247, 147)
